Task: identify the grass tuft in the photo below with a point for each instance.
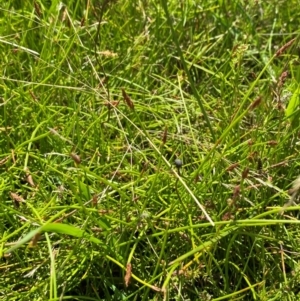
(149, 150)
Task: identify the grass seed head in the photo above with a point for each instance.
(236, 192)
(127, 99)
(272, 142)
(255, 103)
(282, 78)
(281, 50)
(37, 9)
(165, 135)
(17, 198)
(76, 158)
(95, 200)
(232, 167)
(245, 173)
(128, 274)
(227, 216)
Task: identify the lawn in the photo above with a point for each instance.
(149, 150)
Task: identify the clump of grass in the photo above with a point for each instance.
(148, 156)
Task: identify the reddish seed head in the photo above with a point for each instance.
(282, 78)
(245, 173)
(165, 135)
(236, 192)
(272, 142)
(232, 166)
(127, 99)
(37, 9)
(95, 200)
(255, 103)
(76, 158)
(227, 216)
(281, 50)
(33, 96)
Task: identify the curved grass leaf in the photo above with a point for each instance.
(293, 105)
(56, 228)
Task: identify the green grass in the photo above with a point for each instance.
(92, 206)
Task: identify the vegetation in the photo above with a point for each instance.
(148, 150)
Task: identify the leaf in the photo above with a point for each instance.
(69, 230)
(294, 103)
(56, 228)
(103, 223)
(24, 240)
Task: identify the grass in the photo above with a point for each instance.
(99, 100)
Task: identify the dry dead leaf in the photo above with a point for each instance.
(29, 178)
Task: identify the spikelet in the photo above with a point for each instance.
(128, 274)
(127, 99)
(281, 50)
